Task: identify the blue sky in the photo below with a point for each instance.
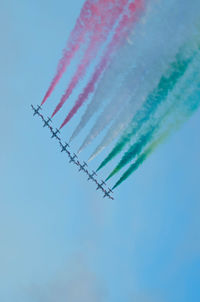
(60, 241)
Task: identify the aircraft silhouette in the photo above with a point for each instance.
(107, 194)
(36, 111)
(109, 191)
(46, 122)
(54, 134)
(82, 167)
(64, 147)
(91, 176)
(100, 186)
(72, 158)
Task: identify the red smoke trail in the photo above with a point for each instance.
(78, 34)
(121, 31)
(106, 15)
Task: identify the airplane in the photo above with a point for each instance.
(36, 111)
(54, 134)
(87, 172)
(82, 167)
(109, 191)
(64, 147)
(91, 176)
(100, 186)
(72, 158)
(106, 194)
(46, 122)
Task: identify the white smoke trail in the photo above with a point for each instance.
(115, 130)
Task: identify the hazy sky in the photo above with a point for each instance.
(60, 241)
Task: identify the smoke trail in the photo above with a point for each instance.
(174, 126)
(174, 102)
(184, 111)
(117, 69)
(140, 86)
(134, 150)
(106, 17)
(142, 157)
(153, 101)
(108, 86)
(121, 33)
(144, 139)
(115, 130)
(123, 121)
(77, 36)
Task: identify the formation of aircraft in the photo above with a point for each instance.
(82, 167)
(54, 133)
(36, 111)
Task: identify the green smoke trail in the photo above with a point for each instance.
(178, 99)
(187, 110)
(154, 100)
(137, 147)
(142, 158)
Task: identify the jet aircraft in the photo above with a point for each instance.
(100, 186)
(46, 122)
(72, 158)
(109, 191)
(91, 176)
(82, 167)
(106, 194)
(36, 111)
(54, 134)
(64, 147)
